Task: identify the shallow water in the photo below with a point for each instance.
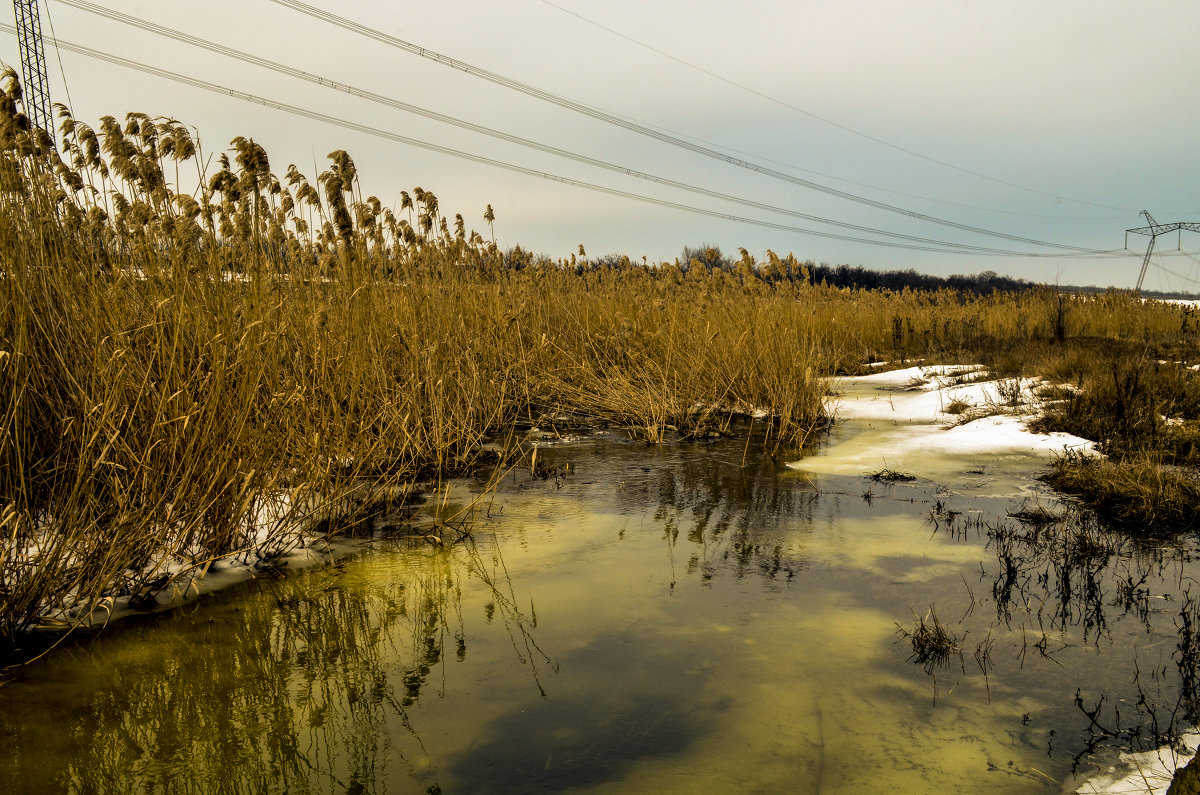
(648, 619)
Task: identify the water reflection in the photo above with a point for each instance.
(302, 687)
(624, 626)
(729, 510)
(579, 740)
(1067, 583)
(1067, 572)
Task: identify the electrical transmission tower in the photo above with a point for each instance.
(1154, 230)
(33, 65)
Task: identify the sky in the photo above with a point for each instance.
(1052, 122)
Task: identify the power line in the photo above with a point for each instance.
(947, 202)
(1165, 269)
(379, 133)
(58, 57)
(641, 129)
(1188, 278)
(391, 102)
(822, 119)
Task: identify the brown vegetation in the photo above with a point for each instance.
(176, 365)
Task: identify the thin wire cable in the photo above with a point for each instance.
(58, 55)
(391, 102)
(948, 202)
(641, 129)
(371, 96)
(1165, 269)
(822, 119)
(1154, 261)
(376, 132)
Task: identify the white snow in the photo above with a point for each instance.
(898, 420)
(279, 539)
(1147, 773)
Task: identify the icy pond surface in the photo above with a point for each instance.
(678, 618)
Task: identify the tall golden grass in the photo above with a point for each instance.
(177, 365)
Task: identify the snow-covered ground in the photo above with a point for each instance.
(189, 581)
(1148, 773)
(951, 424)
(280, 538)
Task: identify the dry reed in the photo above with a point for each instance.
(189, 373)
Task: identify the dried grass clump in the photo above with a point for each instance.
(1140, 494)
(932, 643)
(888, 475)
(956, 407)
(1144, 415)
(1037, 515)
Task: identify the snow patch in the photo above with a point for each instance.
(283, 535)
(899, 420)
(1147, 773)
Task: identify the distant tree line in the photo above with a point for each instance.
(775, 269)
(858, 276)
(978, 283)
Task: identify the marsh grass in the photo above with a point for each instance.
(933, 644)
(888, 475)
(196, 364)
(1144, 415)
(956, 407)
(1036, 515)
(193, 375)
(1140, 494)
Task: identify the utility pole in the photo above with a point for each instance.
(33, 65)
(1154, 230)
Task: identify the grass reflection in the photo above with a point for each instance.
(1061, 582)
(299, 687)
(1075, 603)
(777, 639)
(1072, 573)
(734, 512)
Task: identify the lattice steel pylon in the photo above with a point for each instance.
(1154, 230)
(34, 81)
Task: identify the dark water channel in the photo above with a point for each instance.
(645, 619)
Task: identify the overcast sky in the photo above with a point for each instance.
(1056, 122)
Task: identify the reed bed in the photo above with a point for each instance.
(189, 375)
(194, 364)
